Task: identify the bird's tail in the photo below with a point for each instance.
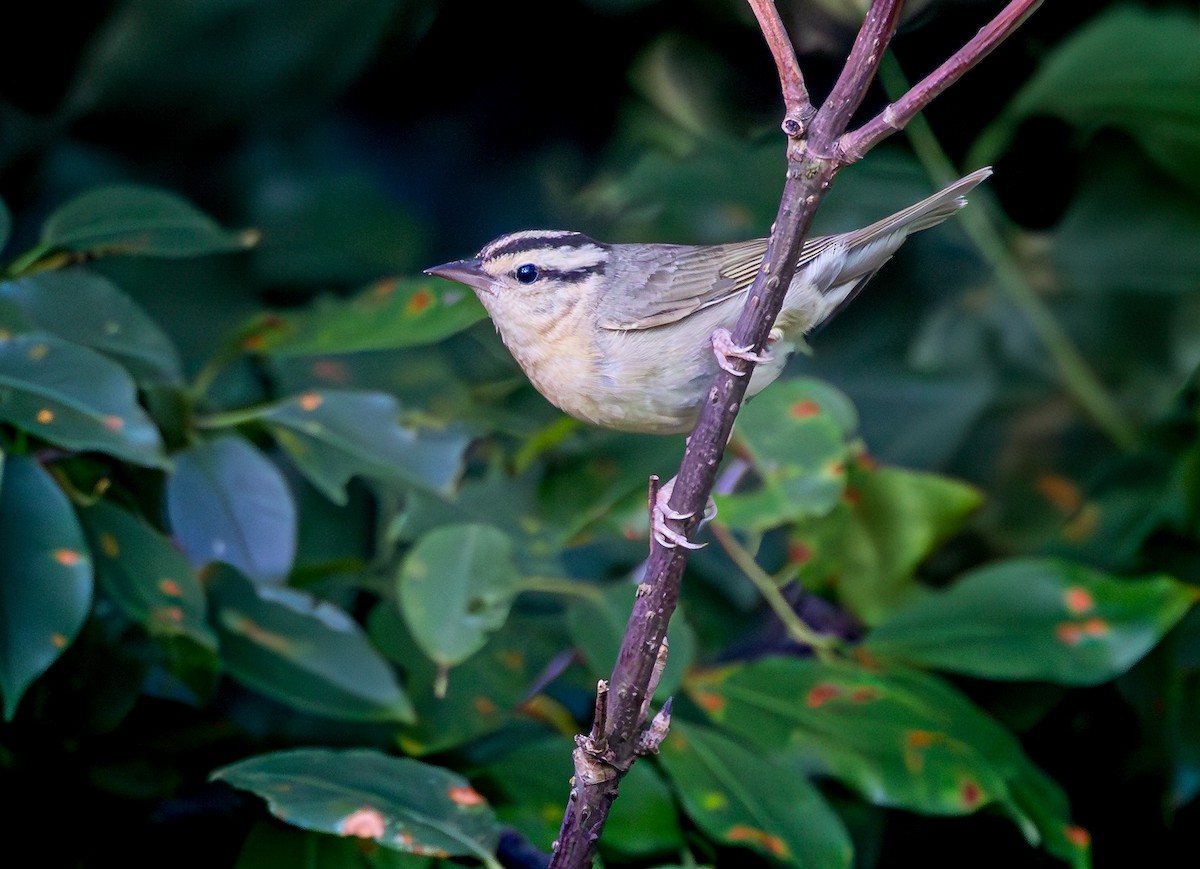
(922, 215)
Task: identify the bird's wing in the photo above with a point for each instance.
(677, 281)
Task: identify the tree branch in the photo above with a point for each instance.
(814, 155)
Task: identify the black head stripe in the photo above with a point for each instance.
(574, 275)
(509, 245)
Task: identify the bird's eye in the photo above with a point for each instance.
(527, 273)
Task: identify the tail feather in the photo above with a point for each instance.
(924, 214)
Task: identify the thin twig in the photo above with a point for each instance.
(854, 145)
(798, 108)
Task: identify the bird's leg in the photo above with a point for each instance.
(660, 512)
(724, 349)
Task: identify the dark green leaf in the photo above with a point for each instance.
(534, 777)
(45, 576)
(227, 502)
(5, 224)
(871, 545)
(398, 802)
(75, 398)
(88, 309)
(1035, 619)
(899, 737)
(270, 844)
(146, 576)
(333, 435)
(303, 652)
(796, 435)
(387, 315)
(741, 798)
(455, 588)
(1128, 68)
(597, 627)
(486, 692)
(142, 221)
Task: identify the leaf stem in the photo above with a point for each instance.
(798, 629)
(980, 226)
(556, 585)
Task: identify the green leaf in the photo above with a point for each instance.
(1035, 619)
(400, 803)
(869, 548)
(45, 576)
(389, 314)
(796, 434)
(301, 651)
(455, 588)
(333, 435)
(269, 844)
(1128, 68)
(740, 798)
(534, 779)
(483, 694)
(75, 398)
(227, 502)
(146, 576)
(597, 627)
(899, 737)
(88, 309)
(141, 221)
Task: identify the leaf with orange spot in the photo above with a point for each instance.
(1038, 619)
(152, 583)
(67, 395)
(777, 813)
(913, 745)
(86, 308)
(333, 435)
(45, 576)
(400, 803)
(416, 312)
(796, 434)
(302, 651)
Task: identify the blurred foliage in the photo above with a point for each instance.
(277, 511)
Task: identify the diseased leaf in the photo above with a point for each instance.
(741, 798)
(75, 398)
(142, 221)
(88, 309)
(303, 652)
(389, 314)
(796, 433)
(399, 802)
(1035, 619)
(45, 576)
(146, 576)
(899, 737)
(455, 588)
(227, 502)
(333, 435)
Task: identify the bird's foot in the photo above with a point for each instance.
(725, 350)
(660, 512)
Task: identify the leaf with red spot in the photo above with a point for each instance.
(741, 798)
(399, 802)
(389, 314)
(87, 308)
(45, 576)
(154, 585)
(1039, 619)
(869, 547)
(333, 435)
(796, 433)
(302, 651)
(899, 737)
(75, 398)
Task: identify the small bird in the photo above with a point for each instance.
(629, 336)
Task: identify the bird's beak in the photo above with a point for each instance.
(465, 271)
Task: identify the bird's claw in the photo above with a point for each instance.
(661, 511)
(725, 350)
